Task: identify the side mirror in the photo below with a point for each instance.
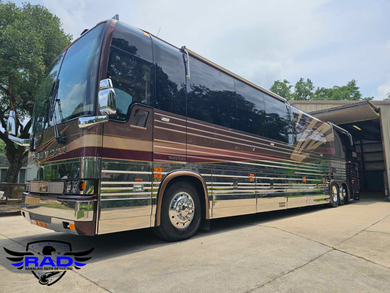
(11, 123)
(107, 99)
(107, 105)
(12, 132)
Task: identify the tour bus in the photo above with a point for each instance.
(131, 132)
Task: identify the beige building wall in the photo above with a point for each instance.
(385, 122)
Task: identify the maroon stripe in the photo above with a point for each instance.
(122, 154)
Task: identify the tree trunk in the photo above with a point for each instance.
(16, 156)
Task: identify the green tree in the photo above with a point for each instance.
(30, 38)
(387, 98)
(2, 148)
(282, 88)
(347, 92)
(303, 90)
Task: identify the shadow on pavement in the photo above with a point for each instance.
(118, 244)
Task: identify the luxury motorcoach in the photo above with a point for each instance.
(131, 132)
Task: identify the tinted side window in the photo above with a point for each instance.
(131, 78)
(339, 147)
(211, 96)
(278, 120)
(250, 109)
(170, 78)
(133, 41)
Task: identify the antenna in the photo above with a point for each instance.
(158, 31)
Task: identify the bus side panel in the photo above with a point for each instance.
(127, 180)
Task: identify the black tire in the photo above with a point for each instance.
(347, 194)
(343, 195)
(167, 230)
(334, 195)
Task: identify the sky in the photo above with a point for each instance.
(329, 41)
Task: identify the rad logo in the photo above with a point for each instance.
(48, 260)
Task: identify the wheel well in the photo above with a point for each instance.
(195, 182)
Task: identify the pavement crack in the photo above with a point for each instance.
(288, 272)
(380, 232)
(100, 286)
(334, 247)
(362, 230)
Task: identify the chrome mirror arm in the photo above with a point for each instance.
(24, 142)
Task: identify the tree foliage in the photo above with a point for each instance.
(30, 38)
(305, 90)
(282, 88)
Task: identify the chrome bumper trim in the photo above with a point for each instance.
(66, 209)
(55, 224)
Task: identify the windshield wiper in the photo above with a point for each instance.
(52, 108)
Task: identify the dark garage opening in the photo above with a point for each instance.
(363, 121)
(369, 148)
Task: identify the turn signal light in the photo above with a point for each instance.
(82, 185)
(72, 227)
(40, 224)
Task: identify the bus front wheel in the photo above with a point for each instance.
(180, 212)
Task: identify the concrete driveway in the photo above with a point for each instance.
(315, 249)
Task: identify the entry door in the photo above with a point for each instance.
(126, 185)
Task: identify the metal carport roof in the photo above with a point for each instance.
(350, 113)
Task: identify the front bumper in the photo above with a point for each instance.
(63, 214)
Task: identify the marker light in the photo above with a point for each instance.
(82, 185)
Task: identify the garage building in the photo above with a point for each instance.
(369, 124)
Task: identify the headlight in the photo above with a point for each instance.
(79, 186)
(68, 187)
(75, 188)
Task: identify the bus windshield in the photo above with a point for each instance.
(69, 90)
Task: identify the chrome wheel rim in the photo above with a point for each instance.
(334, 193)
(342, 193)
(181, 210)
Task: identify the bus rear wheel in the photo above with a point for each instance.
(343, 195)
(180, 212)
(334, 195)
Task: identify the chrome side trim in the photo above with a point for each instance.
(85, 122)
(125, 172)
